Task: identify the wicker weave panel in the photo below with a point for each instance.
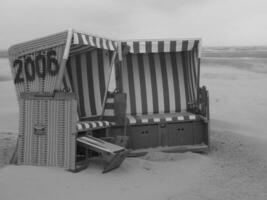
(47, 131)
(38, 84)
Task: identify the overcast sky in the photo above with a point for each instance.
(217, 22)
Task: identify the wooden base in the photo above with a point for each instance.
(143, 136)
(112, 155)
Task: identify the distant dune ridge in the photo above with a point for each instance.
(249, 63)
(232, 52)
(253, 58)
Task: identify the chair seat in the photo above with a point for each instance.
(91, 125)
(161, 118)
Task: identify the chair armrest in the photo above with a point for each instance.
(120, 108)
(203, 104)
(115, 108)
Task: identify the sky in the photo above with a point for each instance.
(217, 22)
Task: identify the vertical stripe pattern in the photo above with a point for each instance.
(93, 41)
(160, 82)
(161, 46)
(88, 78)
(190, 71)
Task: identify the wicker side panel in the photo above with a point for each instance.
(60, 132)
(70, 135)
(21, 140)
(47, 131)
(55, 133)
(42, 138)
(51, 131)
(28, 132)
(33, 114)
(33, 138)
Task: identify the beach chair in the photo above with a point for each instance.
(165, 105)
(62, 86)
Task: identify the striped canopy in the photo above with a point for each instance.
(93, 41)
(77, 39)
(160, 76)
(156, 46)
(58, 47)
(82, 42)
(88, 73)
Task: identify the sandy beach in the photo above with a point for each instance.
(235, 168)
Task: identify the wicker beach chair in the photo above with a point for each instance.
(62, 87)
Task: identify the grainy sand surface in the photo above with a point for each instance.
(236, 167)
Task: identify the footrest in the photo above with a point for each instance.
(113, 155)
(115, 161)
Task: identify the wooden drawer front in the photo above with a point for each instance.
(143, 136)
(199, 130)
(163, 135)
(180, 134)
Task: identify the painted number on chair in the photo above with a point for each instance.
(40, 66)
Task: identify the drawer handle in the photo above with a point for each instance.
(162, 125)
(39, 129)
(144, 132)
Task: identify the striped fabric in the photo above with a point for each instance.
(88, 74)
(109, 112)
(161, 118)
(91, 125)
(93, 41)
(160, 82)
(191, 64)
(161, 46)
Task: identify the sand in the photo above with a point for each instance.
(236, 167)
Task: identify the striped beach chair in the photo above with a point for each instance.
(161, 81)
(62, 83)
(89, 72)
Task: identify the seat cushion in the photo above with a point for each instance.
(91, 125)
(161, 118)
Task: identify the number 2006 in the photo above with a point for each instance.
(48, 63)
